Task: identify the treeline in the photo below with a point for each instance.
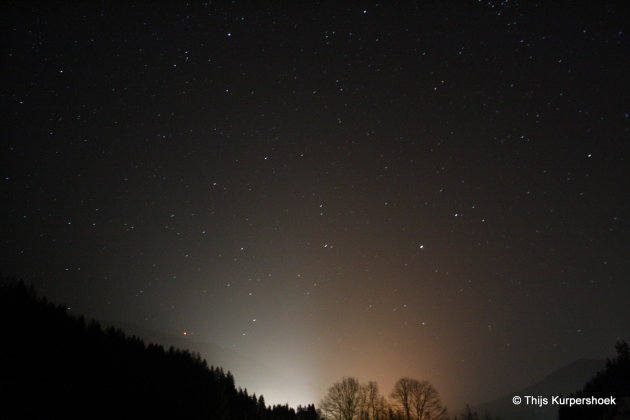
(56, 366)
(410, 399)
(613, 381)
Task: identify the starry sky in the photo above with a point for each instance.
(427, 189)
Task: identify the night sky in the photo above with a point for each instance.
(322, 190)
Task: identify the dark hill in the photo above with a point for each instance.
(561, 382)
(58, 366)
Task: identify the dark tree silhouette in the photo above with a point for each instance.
(342, 400)
(402, 395)
(374, 406)
(469, 414)
(418, 400)
(613, 381)
(307, 413)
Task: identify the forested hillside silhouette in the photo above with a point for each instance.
(58, 366)
(613, 381)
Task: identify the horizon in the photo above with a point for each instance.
(213, 359)
(169, 338)
(225, 361)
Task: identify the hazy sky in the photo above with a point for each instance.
(377, 190)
